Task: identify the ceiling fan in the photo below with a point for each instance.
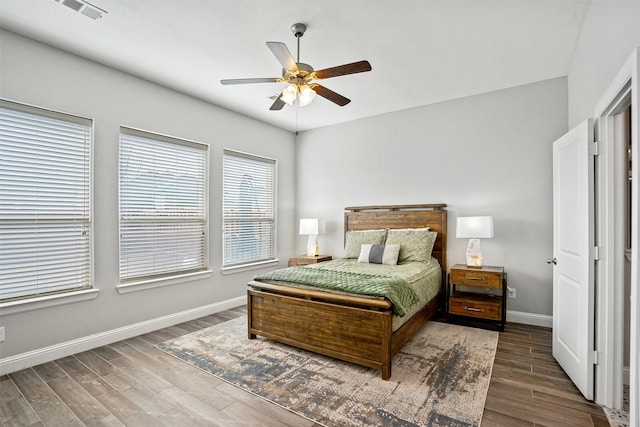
(301, 76)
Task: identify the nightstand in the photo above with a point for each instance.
(483, 299)
(298, 260)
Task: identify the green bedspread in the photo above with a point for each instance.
(395, 289)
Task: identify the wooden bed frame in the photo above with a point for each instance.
(351, 328)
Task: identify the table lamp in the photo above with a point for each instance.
(311, 227)
(474, 228)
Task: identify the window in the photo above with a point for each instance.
(248, 205)
(45, 202)
(163, 206)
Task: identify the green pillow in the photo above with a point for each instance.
(415, 244)
(355, 239)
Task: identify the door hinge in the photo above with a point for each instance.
(594, 358)
(595, 253)
(594, 148)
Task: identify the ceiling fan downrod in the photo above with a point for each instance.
(298, 31)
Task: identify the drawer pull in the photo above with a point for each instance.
(473, 278)
(474, 309)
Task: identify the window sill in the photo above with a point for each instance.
(248, 267)
(143, 285)
(38, 303)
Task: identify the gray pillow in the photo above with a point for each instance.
(379, 254)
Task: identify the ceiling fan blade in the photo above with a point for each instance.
(245, 81)
(277, 104)
(281, 52)
(330, 95)
(341, 70)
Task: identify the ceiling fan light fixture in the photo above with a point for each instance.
(306, 95)
(289, 94)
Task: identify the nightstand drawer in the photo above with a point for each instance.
(472, 305)
(489, 279)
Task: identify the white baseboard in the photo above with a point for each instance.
(57, 351)
(534, 319)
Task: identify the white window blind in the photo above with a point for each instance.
(248, 209)
(163, 208)
(45, 196)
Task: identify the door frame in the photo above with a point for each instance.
(610, 288)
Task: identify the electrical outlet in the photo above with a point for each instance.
(1, 333)
(512, 293)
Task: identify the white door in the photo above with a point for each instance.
(573, 231)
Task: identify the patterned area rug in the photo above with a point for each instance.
(439, 378)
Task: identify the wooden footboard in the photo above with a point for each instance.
(353, 334)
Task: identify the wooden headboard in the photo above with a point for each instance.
(402, 216)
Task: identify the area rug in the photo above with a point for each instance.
(439, 378)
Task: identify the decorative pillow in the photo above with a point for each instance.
(355, 239)
(379, 254)
(415, 244)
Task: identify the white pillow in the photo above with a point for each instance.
(379, 254)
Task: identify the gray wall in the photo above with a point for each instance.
(483, 155)
(610, 33)
(43, 76)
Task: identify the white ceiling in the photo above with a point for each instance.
(421, 52)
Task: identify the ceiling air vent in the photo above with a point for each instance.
(85, 8)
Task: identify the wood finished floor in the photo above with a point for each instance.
(133, 384)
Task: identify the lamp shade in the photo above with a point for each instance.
(310, 226)
(289, 94)
(306, 95)
(474, 227)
